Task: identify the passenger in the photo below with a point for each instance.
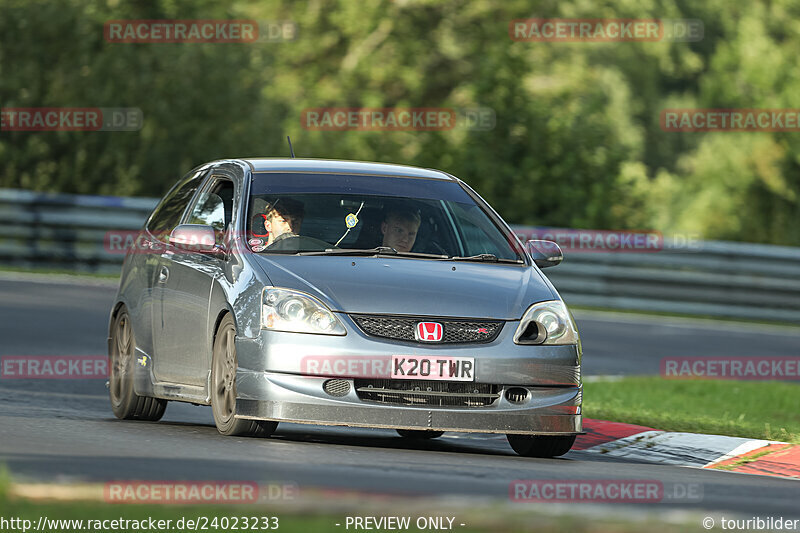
(399, 229)
(283, 220)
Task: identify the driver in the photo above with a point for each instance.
(283, 220)
(399, 229)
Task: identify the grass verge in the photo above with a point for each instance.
(753, 409)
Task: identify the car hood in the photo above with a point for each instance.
(378, 285)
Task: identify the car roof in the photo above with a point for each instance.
(336, 166)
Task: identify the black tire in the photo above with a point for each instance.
(125, 403)
(419, 433)
(223, 392)
(541, 445)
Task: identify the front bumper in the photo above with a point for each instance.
(301, 399)
(273, 383)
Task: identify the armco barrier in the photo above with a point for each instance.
(713, 278)
(724, 279)
(65, 231)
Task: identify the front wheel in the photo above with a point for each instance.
(125, 403)
(223, 382)
(541, 445)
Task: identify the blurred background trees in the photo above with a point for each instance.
(577, 140)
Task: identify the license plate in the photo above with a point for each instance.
(438, 368)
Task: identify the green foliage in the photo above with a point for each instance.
(577, 140)
(5, 481)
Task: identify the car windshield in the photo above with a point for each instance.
(326, 214)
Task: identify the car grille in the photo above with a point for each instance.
(454, 331)
(427, 393)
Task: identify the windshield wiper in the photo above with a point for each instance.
(378, 250)
(487, 258)
(353, 251)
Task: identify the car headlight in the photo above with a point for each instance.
(288, 310)
(547, 323)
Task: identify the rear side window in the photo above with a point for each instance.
(168, 213)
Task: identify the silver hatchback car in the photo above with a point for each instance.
(344, 293)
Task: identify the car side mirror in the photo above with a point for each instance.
(195, 238)
(545, 253)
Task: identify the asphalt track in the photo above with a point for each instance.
(63, 430)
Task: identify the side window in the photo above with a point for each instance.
(214, 207)
(168, 213)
